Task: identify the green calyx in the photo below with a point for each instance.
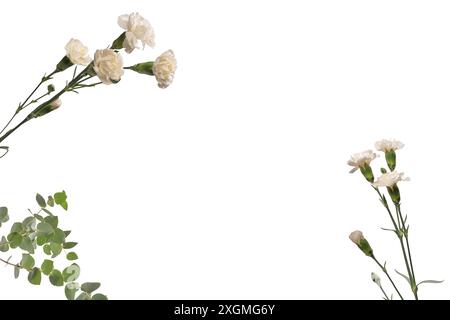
(391, 159)
(367, 173)
(365, 247)
(394, 192)
(64, 64)
(143, 68)
(41, 111)
(118, 43)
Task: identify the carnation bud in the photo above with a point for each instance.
(144, 68)
(391, 159)
(55, 104)
(51, 88)
(357, 238)
(376, 278)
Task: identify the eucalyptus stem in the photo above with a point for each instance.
(11, 264)
(387, 275)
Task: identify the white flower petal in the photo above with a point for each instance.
(361, 159)
(108, 65)
(77, 52)
(164, 68)
(390, 179)
(140, 28)
(388, 145)
(123, 21)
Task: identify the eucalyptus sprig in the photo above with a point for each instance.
(41, 232)
(400, 227)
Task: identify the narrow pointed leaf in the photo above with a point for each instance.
(430, 281)
(404, 276)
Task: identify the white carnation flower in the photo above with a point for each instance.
(164, 68)
(388, 145)
(390, 179)
(137, 28)
(108, 66)
(361, 159)
(77, 52)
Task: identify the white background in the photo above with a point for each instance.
(233, 183)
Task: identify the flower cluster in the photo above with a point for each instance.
(107, 65)
(388, 179)
(362, 161)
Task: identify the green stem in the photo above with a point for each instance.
(387, 275)
(386, 205)
(67, 88)
(382, 290)
(400, 235)
(24, 105)
(405, 232)
(9, 263)
(44, 79)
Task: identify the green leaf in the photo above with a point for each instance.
(27, 261)
(99, 296)
(430, 281)
(56, 278)
(41, 240)
(89, 287)
(14, 239)
(47, 212)
(71, 273)
(52, 220)
(4, 215)
(47, 267)
(17, 227)
(44, 228)
(34, 276)
(404, 276)
(69, 245)
(4, 246)
(16, 272)
(50, 201)
(70, 290)
(40, 200)
(61, 199)
(56, 249)
(29, 224)
(84, 296)
(27, 245)
(72, 256)
(59, 236)
(39, 217)
(47, 249)
(67, 233)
